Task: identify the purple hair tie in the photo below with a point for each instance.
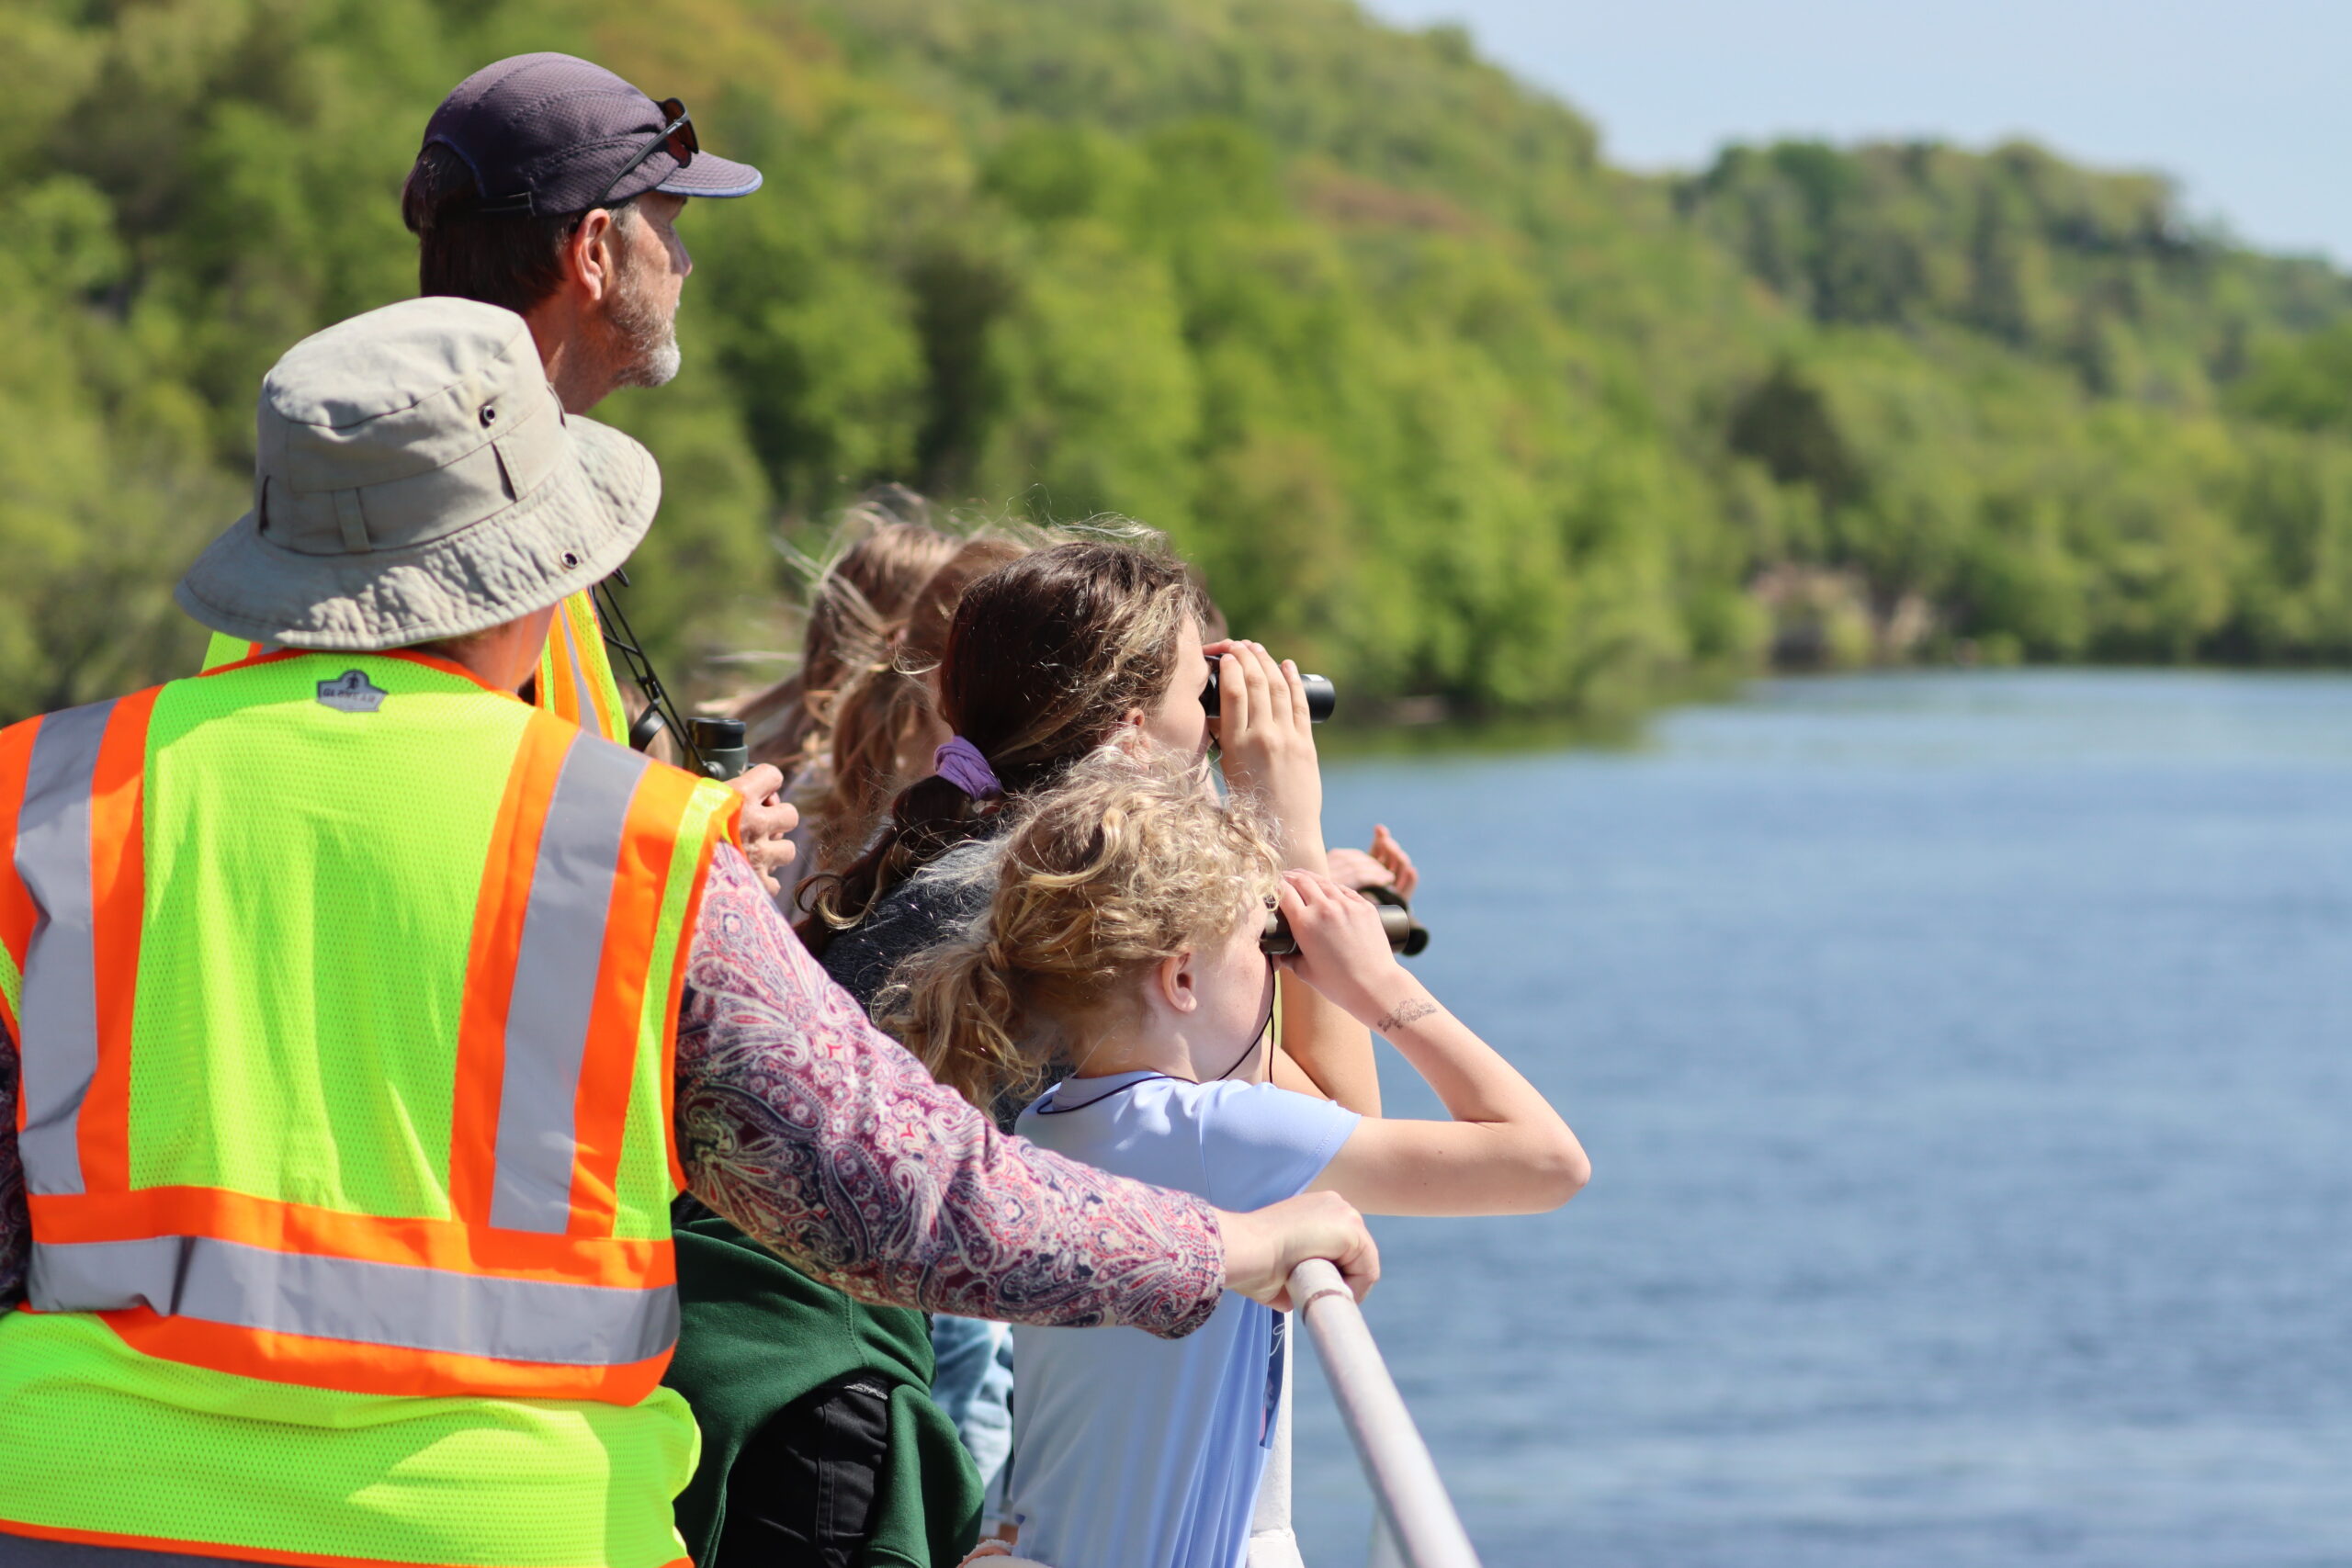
(960, 763)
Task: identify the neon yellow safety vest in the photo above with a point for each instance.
(575, 680)
(346, 996)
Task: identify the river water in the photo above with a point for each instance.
(1964, 1064)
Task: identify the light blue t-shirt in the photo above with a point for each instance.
(1131, 1451)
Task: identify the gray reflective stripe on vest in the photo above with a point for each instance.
(554, 984)
(60, 1012)
(368, 1304)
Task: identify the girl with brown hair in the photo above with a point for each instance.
(1092, 642)
(820, 1439)
(885, 549)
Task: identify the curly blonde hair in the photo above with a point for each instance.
(1124, 863)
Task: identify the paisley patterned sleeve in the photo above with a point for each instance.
(15, 1228)
(828, 1142)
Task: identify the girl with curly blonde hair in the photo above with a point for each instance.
(1130, 933)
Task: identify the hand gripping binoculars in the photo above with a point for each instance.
(1407, 936)
(1321, 695)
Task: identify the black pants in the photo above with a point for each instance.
(801, 1492)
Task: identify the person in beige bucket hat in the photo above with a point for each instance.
(358, 1246)
(415, 480)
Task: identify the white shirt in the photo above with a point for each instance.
(1130, 1452)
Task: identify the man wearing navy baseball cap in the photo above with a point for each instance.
(551, 186)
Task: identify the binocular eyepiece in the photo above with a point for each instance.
(1407, 936)
(1321, 695)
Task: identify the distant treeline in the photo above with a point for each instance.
(1438, 398)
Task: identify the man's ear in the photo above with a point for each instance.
(1177, 985)
(588, 256)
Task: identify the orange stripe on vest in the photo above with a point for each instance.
(17, 911)
(234, 1553)
(368, 1369)
(450, 1244)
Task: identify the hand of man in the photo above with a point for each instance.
(768, 822)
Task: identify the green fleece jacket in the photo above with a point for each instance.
(757, 1335)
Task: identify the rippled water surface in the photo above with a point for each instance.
(1966, 1061)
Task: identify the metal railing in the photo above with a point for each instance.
(1417, 1525)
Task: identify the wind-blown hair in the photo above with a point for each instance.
(1125, 862)
(1045, 657)
(887, 550)
(883, 704)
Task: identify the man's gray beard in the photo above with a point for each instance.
(648, 348)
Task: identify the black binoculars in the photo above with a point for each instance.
(1407, 936)
(720, 750)
(1321, 695)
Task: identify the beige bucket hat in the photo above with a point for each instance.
(417, 479)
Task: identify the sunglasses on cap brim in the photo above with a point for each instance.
(676, 137)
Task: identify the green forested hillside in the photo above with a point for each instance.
(1437, 397)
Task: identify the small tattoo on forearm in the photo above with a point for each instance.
(1410, 1013)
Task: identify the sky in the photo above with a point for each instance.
(2246, 103)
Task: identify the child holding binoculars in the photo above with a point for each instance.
(1128, 934)
(1088, 643)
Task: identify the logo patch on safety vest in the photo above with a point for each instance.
(352, 691)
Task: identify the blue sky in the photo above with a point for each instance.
(2248, 103)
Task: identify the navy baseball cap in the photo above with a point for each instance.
(549, 133)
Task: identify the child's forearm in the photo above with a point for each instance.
(1471, 1077)
(1505, 1152)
